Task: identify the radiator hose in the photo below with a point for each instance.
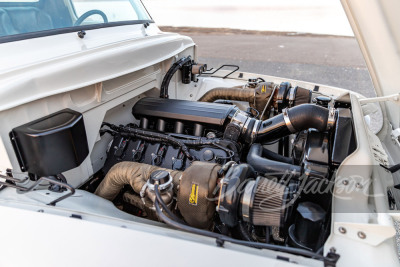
(258, 159)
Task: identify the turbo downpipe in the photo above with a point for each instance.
(129, 173)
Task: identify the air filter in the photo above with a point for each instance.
(264, 202)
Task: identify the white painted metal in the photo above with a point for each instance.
(376, 25)
(102, 76)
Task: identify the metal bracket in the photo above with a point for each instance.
(395, 98)
(236, 68)
(36, 184)
(331, 118)
(287, 121)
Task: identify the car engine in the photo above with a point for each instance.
(260, 175)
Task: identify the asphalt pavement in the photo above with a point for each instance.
(321, 59)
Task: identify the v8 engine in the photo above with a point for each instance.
(240, 173)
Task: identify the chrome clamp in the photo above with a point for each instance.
(255, 130)
(292, 96)
(331, 118)
(246, 200)
(287, 121)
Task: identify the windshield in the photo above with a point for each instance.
(26, 17)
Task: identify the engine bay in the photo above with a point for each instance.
(262, 175)
(252, 164)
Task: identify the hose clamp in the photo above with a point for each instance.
(292, 96)
(255, 130)
(246, 200)
(287, 120)
(161, 187)
(331, 118)
(143, 193)
(241, 119)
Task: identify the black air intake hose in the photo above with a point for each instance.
(266, 166)
(293, 120)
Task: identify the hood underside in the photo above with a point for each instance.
(376, 25)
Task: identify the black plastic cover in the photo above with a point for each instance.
(197, 112)
(52, 144)
(316, 154)
(344, 143)
(309, 221)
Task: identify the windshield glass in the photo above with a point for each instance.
(36, 16)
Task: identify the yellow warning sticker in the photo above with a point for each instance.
(263, 88)
(194, 194)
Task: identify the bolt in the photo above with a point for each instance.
(332, 250)
(362, 235)
(345, 182)
(359, 186)
(41, 211)
(81, 34)
(342, 230)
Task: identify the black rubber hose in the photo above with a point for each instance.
(268, 166)
(170, 73)
(223, 238)
(301, 117)
(308, 116)
(275, 156)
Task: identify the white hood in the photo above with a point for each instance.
(376, 25)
